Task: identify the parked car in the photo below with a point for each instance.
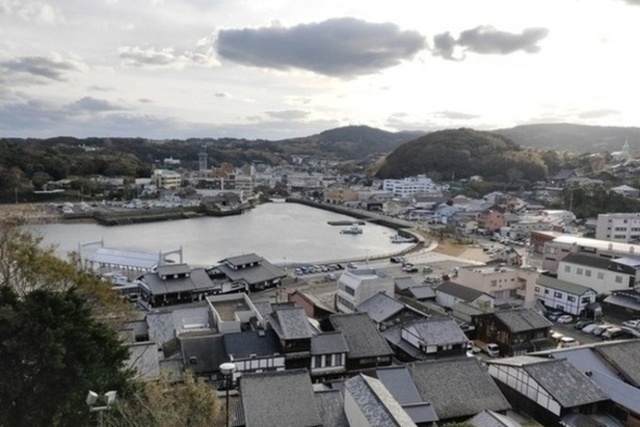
(565, 318)
(589, 328)
(635, 324)
(582, 323)
(612, 333)
(553, 315)
(492, 350)
(397, 259)
(568, 342)
(471, 346)
(600, 329)
(556, 336)
(410, 269)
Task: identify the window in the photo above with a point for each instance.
(571, 298)
(557, 295)
(585, 300)
(537, 288)
(618, 279)
(587, 273)
(579, 271)
(546, 291)
(494, 283)
(600, 276)
(567, 269)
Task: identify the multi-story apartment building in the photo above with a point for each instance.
(604, 275)
(166, 179)
(412, 185)
(619, 227)
(504, 283)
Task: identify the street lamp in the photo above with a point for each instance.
(227, 369)
(108, 399)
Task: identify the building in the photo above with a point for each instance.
(410, 186)
(492, 220)
(339, 195)
(627, 191)
(619, 227)
(175, 284)
(166, 179)
(561, 295)
(254, 351)
(436, 337)
(357, 286)
(506, 284)
(294, 332)
(250, 270)
(603, 275)
(448, 294)
(328, 355)
(515, 331)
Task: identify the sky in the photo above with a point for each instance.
(275, 69)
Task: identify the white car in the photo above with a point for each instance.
(568, 342)
(589, 328)
(565, 318)
(634, 324)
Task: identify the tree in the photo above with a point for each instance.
(52, 352)
(191, 403)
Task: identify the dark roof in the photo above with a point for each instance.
(198, 280)
(588, 260)
(243, 259)
(279, 399)
(397, 380)
(624, 356)
(291, 323)
(404, 283)
(263, 272)
(361, 335)
(492, 419)
(331, 408)
(328, 343)
(376, 404)
(460, 291)
(457, 387)
(565, 383)
(438, 331)
(170, 269)
(393, 335)
(422, 292)
(241, 345)
(380, 307)
(522, 319)
(203, 353)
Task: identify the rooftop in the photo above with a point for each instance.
(561, 285)
(380, 307)
(463, 292)
(602, 245)
(361, 335)
(523, 319)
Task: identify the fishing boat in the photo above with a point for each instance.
(354, 229)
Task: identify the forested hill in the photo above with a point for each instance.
(574, 138)
(463, 153)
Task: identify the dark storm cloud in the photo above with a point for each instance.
(341, 47)
(39, 66)
(288, 114)
(487, 40)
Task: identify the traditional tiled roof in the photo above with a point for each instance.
(361, 335)
(624, 356)
(328, 343)
(457, 387)
(397, 380)
(522, 319)
(264, 272)
(196, 281)
(380, 307)
(242, 345)
(561, 285)
(438, 332)
(460, 291)
(291, 323)
(331, 408)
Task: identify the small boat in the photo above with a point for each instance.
(354, 229)
(400, 239)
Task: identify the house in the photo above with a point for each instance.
(174, 284)
(367, 348)
(515, 331)
(248, 270)
(506, 284)
(312, 306)
(449, 293)
(254, 351)
(547, 389)
(398, 381)
(441, 337)
(624, 303)
(619, 227)
(560, 295)
(492, 220)
(356, 286)
(234, 313)
(381, 307)
(626, 191)
(203, 353)
(603, 275)
(367, 403)
(277, 399)
(294, 332)
(328, 355)
(458, 388)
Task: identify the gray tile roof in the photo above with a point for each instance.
(361, 335)
(492, 419)
(143, 357)
(397, 380)
(331, 408)
(328, 343)
(197, 280)
(523, 319)
(253, 275)
(463, 292)
(291, 323)
(438, 331)
(240, 260)
(457, 387)
(242, 345)
(393, 335)
(203, 353)
(404, 283)
(376, 404)
(380, 307)
(588, 260)
(279, 399)
(164, 323)
(624, 356)
(170, 269)
(422, 292)
(561, 285)
(620, 392)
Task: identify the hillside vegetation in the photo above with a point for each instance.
(463, 153)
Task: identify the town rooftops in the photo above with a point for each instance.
(361, 335)
(254, 274)
(624, 356)
(602, 245)
(561, 285)
(460, 291)
(376, 404)
(279, 399)
(328, 343)
(522, 319)
(404, 283)
(564, 383)
(241, 345)
(172, 269)
(331, 408)
(457, 387)
(629, 262)
(242, 260)
(588, 260)
(397, 380)
(380, 307)
(291, 323)
(438, 331)
(196, 281)
(131, 259)
(422, 292)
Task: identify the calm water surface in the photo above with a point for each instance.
(280, 232)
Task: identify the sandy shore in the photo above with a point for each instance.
(29, 213)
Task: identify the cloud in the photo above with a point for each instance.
(487, 40)
(633, 2)
(153, 57)
(288, 114)
(92, 105)
(341, 47)
(49, 68)
(455, 115)
(31, 11)
(596, 114)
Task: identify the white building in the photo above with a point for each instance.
(166, 179)
(560, 295)
(412, 185)
(504, 283)
(602, 274)
(618, 227)
(357, 286)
